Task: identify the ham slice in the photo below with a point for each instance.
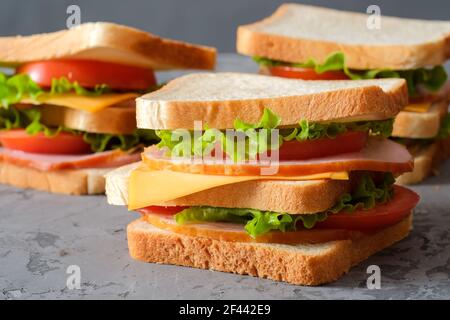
(378, 155)
(49, 162)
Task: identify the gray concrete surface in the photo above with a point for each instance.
(42, 234)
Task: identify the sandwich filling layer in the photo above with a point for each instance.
(372, 204)
(304, 141)
(309, 148)
(420, 81)
(34, 132)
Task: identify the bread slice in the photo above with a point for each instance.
(296, 33)
(218, 99)
(117, 119)
(72, 182)
(417, 125)
(426, 162)
(294, 197)
(110, 42)
(312, 264)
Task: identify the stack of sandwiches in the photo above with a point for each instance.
(67, 113)
(314, 43)
(310, 193)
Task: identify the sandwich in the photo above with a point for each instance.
(295, 42)
(67, 113)
(284, 179)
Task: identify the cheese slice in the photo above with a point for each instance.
(79, 102)
(148, 187)
(418, 107)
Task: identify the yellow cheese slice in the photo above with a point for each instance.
(79, 102)
(148, 187)
(418, 107)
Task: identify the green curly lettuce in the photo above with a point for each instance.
(432, 79)
(256, 144)
(63, 85)
(30, 120)
(17, 87)
(366, 195)
(444, 130)
(14, 88)
(101, 142)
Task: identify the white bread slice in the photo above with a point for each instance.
(294, 197)
(117, 119)
(426, 162)
(312, 264)
(417, 125)
(218, 99)
(71, 182)
(296, 33)
(110, 42)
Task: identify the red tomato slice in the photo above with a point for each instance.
(89, 73)
(162, 210)
(62, 143)
(380, 216)
(300, 150)
(306, 73)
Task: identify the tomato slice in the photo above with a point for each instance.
(352, 141)
(62, 143)
(90, 73)
(162, 210)
(381, 216)
(306, 73)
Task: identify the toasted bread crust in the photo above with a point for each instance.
(71, 182)
(301, 264)
(171, 107)
(258, 39)
(416, 125)
(277, 196)
(107, 42)
(118, 119)
(426, 162)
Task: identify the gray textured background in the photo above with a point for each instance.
(211, 22)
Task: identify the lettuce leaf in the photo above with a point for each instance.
(63, 85)
(444, 130)
(433, 79)
(269, 121)
(16, 87)
(29, 119)
(366, 195)
(101, 142)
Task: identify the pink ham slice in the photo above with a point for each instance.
(47, 162)
(378, 155)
